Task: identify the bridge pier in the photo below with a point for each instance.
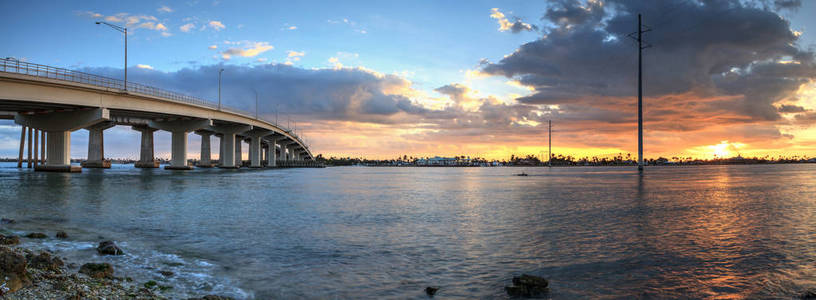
(228, 144)
(146, 158)
(205, 160)
(255, 138)
(239, 153)
(96, 146)
(178, 132)
(271, 156)
(58, 127)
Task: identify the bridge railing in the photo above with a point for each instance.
(10, 65)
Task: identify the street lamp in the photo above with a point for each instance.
(219, 88)
(256, 103)
(122, 30)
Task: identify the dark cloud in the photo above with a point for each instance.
(706, 48)
(784, 108)
(330, 94)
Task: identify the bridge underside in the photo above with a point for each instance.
(287, 152)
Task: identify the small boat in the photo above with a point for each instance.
(521, 174)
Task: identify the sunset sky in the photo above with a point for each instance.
(382, 79)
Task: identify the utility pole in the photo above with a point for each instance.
(639, 40)
(549, 139)
(219, 88)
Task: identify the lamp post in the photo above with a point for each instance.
(219, 88)
(256, 103)
(122, 30)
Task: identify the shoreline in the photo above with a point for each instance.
(30, 273)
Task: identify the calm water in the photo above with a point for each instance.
(357, 232)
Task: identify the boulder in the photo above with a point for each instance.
(36, 235)
(166, 273)
(109, 248)
(808, 295)
(527, 286)
(431, 290)
(44, 261)
(62, 235)
(212, 297)
(9, 240)
(7, 221)
(97, 270)
(13, 274)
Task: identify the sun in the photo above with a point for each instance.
(721, 149)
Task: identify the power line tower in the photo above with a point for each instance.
(641, 30)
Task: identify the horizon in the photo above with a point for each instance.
(380, 81)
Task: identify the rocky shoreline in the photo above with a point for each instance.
(29, 274)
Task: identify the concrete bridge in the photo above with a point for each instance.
(50, 103)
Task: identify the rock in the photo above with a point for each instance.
(9, 240)
(109, 248)
(808, 295)
(97, 270)
(431, 290)
(36, 235)
(527, 286)
(7, 221)
(62, 235)
(212, 297)
(44, 261)
(13, 274)
(166, 273)
(150, 284)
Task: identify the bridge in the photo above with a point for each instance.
(51, 102)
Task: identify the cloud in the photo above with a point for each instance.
(133, 22)
(164, 9)
(187, 27)
(141, 66)
(247, 49)
(294, 55)
(505, 25)
(216, 25)
(741, 59)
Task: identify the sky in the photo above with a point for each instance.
(478, 78)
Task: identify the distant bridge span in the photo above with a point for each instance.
(58, 101)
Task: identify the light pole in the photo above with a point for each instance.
(219, 88)
(256, 103)
(122, 30)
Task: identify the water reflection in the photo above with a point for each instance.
(682, 232)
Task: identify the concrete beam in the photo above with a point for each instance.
(63, 121)
(181, 125)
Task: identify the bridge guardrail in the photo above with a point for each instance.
(10, 65)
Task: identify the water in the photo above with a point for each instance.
(358, 232)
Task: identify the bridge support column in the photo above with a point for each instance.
(146, 158)
(96, 146)
(178, 131)
(228, 142)
(239, 153)
(255, 138)
(205, 161)
(58, 127)
(271, 156)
